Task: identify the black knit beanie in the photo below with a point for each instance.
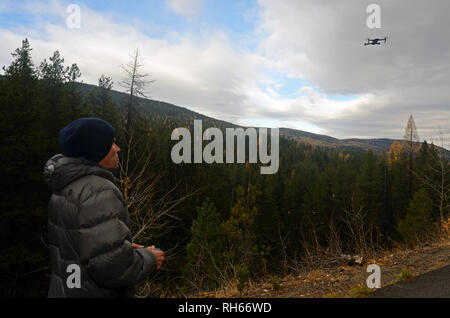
(90, 138)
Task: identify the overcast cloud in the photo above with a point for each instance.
(321, 41)
(337, 86)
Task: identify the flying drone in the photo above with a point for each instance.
(375, 41)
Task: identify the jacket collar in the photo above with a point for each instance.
(60, 170)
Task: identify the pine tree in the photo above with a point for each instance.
(417, 225)
(206, 250)
(240, 226)
(73, 98)
(53, 75)
(25, 145)
(22, 68)
(102, 105)
(54, 72)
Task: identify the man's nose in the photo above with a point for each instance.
(117, 148)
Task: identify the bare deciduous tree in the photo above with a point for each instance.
(135, 84)
(360, 230)
(439, 186)
(152, 214)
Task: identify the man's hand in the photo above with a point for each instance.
(160, 256)
(137, 245)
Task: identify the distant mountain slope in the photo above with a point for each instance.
(376, 145)
(154, 107)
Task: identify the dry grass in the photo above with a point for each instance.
(346, 281)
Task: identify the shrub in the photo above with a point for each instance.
(405, 275)
(360, 291)
(242, 276)
(275, 281)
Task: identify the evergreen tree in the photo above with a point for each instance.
(22, 67)
(240, 227)
(73, 98)
(206, 250)
(416, 226)
(268, 227)
(25, 144)
(369, 188)
(102, 105)
(54, 75)
(54, 72)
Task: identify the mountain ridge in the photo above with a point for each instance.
(152, 106)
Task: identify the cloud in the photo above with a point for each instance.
(336, 85)
(203, 73)
(322, 41)
(186, 8)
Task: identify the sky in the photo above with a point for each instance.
(293, 63)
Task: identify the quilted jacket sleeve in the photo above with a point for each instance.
(105, 247)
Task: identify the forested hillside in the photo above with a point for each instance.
(217, 222)
(154, 108)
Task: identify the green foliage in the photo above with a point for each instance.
(73, 73)
(54, 72)
(101, 104)
(240, 226)
(242, 276)
(405, 275)
(360, 291)
(205, 252)
(416, 225)
(22, 66)
(275, 281)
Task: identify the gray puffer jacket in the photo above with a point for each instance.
(88, 225)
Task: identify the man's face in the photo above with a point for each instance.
(111, 161)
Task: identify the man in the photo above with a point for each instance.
(88, 223)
